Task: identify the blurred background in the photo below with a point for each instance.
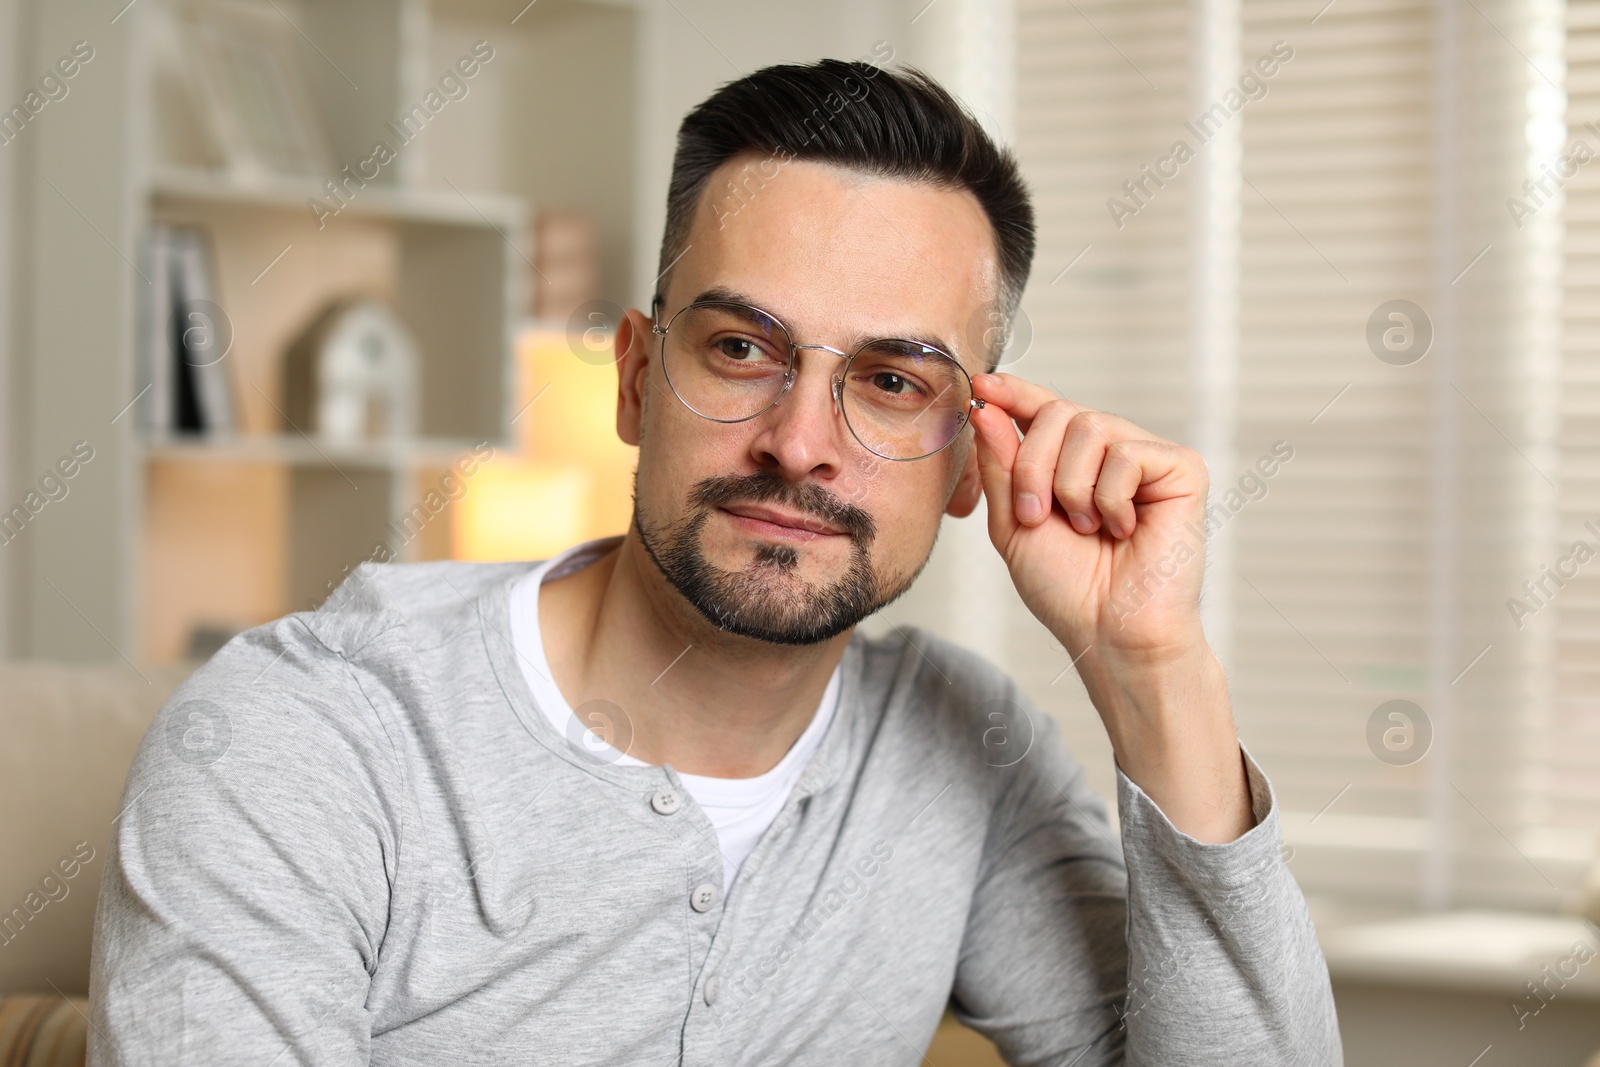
(285, 286)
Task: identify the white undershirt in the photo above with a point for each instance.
(740, 809)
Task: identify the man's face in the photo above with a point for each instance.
(839, 258)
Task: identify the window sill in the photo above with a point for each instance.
(1482, 951)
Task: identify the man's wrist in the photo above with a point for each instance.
(1171, 729)
(1146, 693)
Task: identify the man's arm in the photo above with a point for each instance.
(1154, 950)
(246, 895)
(1102, 527)
(1223, 960)
(1044, 958)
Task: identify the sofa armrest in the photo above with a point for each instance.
(44, 1030)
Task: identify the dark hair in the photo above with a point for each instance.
(886, 123)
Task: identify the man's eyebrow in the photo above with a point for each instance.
(724, 293)
(733, 296)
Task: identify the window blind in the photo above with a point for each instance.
(1571, 800)
(1407, 500)
(1102, 93)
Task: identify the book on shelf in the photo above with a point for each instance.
(185, 337)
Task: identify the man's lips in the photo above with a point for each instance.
(784, 521)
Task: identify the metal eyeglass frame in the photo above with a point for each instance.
(790, 373)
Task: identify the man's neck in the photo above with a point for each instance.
(706, 701)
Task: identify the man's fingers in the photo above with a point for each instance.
(1120, 477)
(1034, 472)
(1097, 465)
(1141, 472)
(1021, 398)
(1078, 463)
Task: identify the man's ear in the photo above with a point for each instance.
(633, 364)
(969, 486)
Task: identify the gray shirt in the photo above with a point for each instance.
(352, 837)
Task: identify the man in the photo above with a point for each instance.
(655, 801)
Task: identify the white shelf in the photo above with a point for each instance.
(308, 451)
(467, 208)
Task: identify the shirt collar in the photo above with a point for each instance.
(494, 623)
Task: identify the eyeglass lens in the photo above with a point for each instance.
(902, 400)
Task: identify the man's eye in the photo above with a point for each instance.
(739, 349)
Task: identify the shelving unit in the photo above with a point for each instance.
(166, 535)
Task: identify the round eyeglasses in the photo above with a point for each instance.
(729, 362)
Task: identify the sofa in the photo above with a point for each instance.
(71, 733)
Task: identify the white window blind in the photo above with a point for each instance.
(1376, 563)
(1572, 753)
(1102, 91)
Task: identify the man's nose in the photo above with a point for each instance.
(804, 430)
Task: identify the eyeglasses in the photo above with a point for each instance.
(730, 362)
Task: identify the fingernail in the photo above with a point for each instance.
(1080, 523)
(1028, 509)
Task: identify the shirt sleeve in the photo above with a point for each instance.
(1157, 949)
(245, 895)
(1224, 963)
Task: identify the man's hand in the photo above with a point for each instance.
(1102, 527)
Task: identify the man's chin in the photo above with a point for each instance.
(772, 591)
(773, 566)
(764, 627)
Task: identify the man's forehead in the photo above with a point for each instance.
(827, 248)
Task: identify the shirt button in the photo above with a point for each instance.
(713, 984)
(704, 897)
(665, 801)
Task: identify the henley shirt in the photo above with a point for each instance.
(353, 837)
(740, 809)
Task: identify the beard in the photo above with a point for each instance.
(762, 601)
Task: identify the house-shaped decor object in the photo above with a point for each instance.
(351, 376)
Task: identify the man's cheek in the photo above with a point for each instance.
(854, 493)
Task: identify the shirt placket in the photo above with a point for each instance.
(709, 1025)
(702, 898)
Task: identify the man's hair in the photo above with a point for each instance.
(886, 123)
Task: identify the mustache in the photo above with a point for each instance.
(763, 487)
